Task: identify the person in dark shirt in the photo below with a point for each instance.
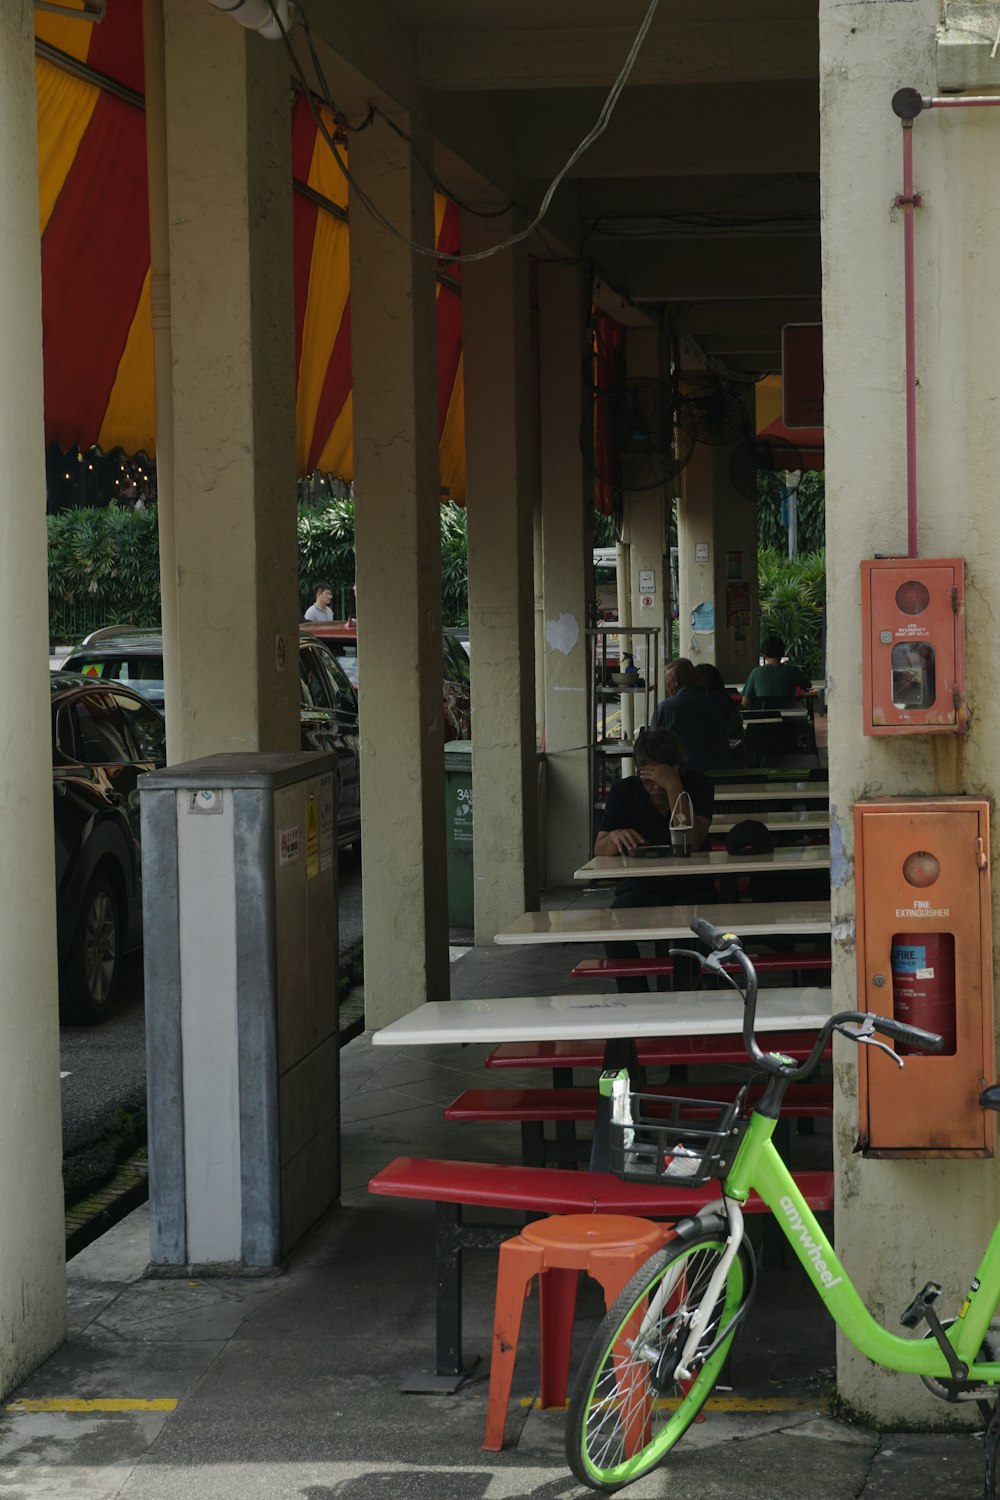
(638, 811)
(712, 681)
(776, 678)
(700, 720)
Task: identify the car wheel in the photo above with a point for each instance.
(91, 972)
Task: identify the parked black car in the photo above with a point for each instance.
(328, 705)
(104, 737)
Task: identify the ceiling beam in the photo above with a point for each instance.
(743, 320)
(720, 193)
(722, 270)
(681, 132)
(591, 56)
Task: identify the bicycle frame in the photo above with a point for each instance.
(758, 1165)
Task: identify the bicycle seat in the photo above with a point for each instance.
(990, 1097)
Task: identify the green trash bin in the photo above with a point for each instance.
(458, 825)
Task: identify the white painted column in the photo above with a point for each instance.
(32, 1231)
(566, 557)
(717, 555)
(495, 317)
(398, 543)
(163, 354)
(902, 1222)
(646, 534)
(229, 193)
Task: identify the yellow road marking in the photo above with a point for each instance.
(775, 1404)
(99, 1403)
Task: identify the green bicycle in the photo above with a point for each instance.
(659, 1351)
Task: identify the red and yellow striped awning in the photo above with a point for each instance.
(97, 325)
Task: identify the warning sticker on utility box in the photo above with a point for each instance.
(288, 844)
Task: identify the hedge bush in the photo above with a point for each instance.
(104, 569)
(104, 565)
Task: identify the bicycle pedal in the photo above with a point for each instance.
(917, 1310)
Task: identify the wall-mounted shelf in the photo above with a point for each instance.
(619, 711)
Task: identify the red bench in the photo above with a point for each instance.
(532, 1109)
(453, 1185)
(581, 1103)
(672, 1051)
(764, 963)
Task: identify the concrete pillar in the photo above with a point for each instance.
(495, 325)
(645, 527)
(717, 556)
(163, 354)
(32, 1232)
(229, 194)
(566, 651)
(900, 1222)
(398, 543)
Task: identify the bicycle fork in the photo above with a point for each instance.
(706, 1305)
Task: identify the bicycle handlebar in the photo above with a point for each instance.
(726, 946)
(715, 939)
(914, 1036)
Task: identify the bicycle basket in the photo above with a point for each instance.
(676, 1141)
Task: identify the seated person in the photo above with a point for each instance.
(776, 678)
(711, 680)
(638, 811)
(700, 720)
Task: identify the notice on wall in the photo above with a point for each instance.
(738, 609)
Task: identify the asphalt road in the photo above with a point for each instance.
(104, 1067)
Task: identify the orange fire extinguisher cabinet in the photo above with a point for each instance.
(924, 955)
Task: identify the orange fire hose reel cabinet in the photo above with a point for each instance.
(913, 646)
(924, 953)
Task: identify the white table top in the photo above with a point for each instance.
(770, 791)
(602, 924)
(777, 822)
(705, 862)
(554, 1018)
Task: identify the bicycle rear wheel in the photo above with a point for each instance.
(628, 1409)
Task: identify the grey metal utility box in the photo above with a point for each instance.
(239, 866)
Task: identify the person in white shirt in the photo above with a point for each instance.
(320, 612)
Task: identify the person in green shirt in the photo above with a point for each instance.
(775, 679)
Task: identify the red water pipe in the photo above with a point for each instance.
(908, 201)
(907, 104)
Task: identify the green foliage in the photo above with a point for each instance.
(792, 594)
(604, 530)
(326, 551)
(103, 570)
(811, 506)
(104, 566)
(454, 564)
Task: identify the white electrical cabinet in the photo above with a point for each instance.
(239, 863)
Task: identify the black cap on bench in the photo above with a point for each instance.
(749, 837)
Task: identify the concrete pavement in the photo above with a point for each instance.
(287, 1387)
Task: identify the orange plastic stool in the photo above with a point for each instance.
(609, 1247)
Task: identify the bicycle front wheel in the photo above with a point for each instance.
(628, 1409)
